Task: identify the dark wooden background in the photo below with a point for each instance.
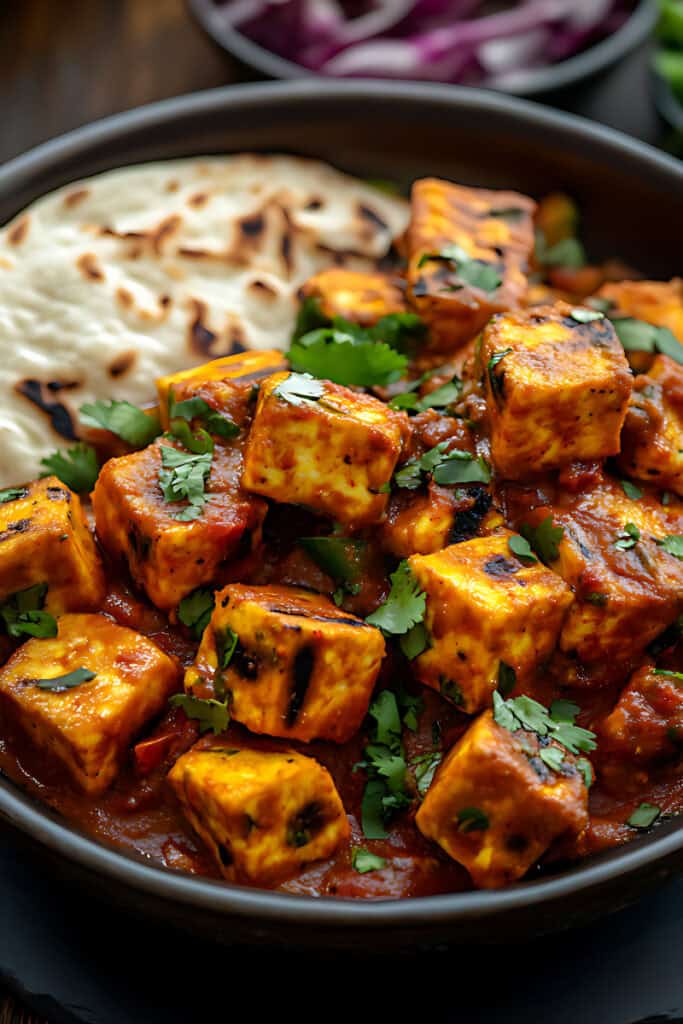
(64, 63)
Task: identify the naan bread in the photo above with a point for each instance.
(111, 282)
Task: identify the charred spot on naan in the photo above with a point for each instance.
(39, 392)
(72, 199)
(89, 267)
(18, 232)
(122, 364)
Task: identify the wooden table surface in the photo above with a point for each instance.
(64, 63)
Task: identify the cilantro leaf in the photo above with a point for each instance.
(631, 491)
(525, 713)
(337, 355)
(183, 476)
(195, 610)
(472, 819)
(595, 597)
(503, 715)
(442, 397)
(372, 809)
(673, 544)
(564, 711)
(385, 791)
(553, 757)
(520, 546)
(180, 414)
(507, 677)
(78, 468)
(462, 468)
(211, 714)
(299, 388)
(544, 539)
(12, 494)
(399, 330)
(639, 336)
(628, 538)
(385, 712)
(569, 252)
(405, 605)
(363, 861)
(644, 816)
(199, 443)
(586, 769)
(339, 557)
(678, 676)
(468, 270)
(127, 421)
(59, 684)
(22, 614)
(425, 766)
(586, 316)
(309, 317)
(415, 641)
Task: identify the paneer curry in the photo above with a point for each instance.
(396, 612)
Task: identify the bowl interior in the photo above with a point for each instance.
(632, 201)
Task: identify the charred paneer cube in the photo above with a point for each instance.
(468, 254)
(324, 446)
(428, 521)
(263, 815)
(227, 385)
(646, 724)
(491, 619)
(292, 663)
(557, 389)
(627, 587)
(44, 539)
(167, 556)
(363, 298)
(496, 805)
(84, 694)
(652, 438)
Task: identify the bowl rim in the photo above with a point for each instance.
(41, 823)
(580, 66)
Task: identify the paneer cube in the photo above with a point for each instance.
(225, 384)
(486, 613)
(263, 815)
(317, 444)
(557, 389)
(646, 724)
(652, 438)
(495, 806)
(363, 298)
(302, 668)
(87, 726)
(656, 302)
(423, 522)
(166, 556)
(493, 230)
(44, 538)
(627, 590)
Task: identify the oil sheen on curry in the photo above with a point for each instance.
(396, 612)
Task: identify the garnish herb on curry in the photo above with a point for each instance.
(400, 615)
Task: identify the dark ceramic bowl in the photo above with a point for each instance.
(632, 201)
(536, 82)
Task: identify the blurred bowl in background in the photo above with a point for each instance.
(592, 61)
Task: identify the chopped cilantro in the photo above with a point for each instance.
(673, 544)
(415, 641)
(424, 767)
(299, 388)
(384, 761)
(553, 757)
(568, 252)
(544, 539)
(496, 379)
(628, 538)
(520, 546)
(12, 494)
(586, 316)
(472, 819)
(58, 684)
(78, 468)
(594, 597)
(638, 336)
(558, 723)
(462, 468)
(183, 476)
(441, 397)
(351, 355)
(22, 613)
(339, 557)
(468, 270)
(309, 317)
(631, 491)
(644, 816)
(195, 610)
(211, 714)
(586, 769)
(678, 676)
(131, 424)
(404, 607)
(363, 861)
(180, 414)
